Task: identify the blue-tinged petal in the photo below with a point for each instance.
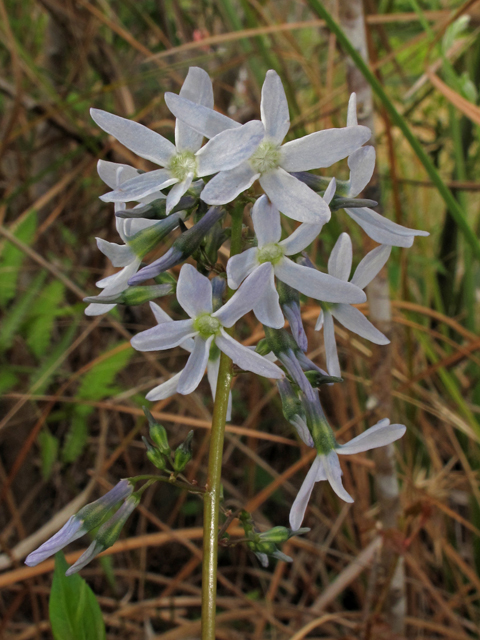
(333, 472)
(245, 358)
(322, 148)
(164, 336)
(241, 266)
(370, 266)
(227, 185)
(161, 317)
(139, 139)
(204, 120)
(383, 230)
(194, 370)
(274, 108)
(177, 191)
(141, 186)
(266, 221)
(120, 255)
(362, 164)
(354, 320)
(352, 111)
(71, 530)
(316, 284)
(379, 435)
(267, 310)
(293, 198)
(194, 291)
(299, 240)
(108, 172)
(299, 506)
(197, 88)
(164, 390)
(246, 297)
(229, 149)
(331, 354)
(340, 260)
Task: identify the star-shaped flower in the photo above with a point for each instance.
(340, 266)
(194, 293)
(272, 162)
(186, 159)
(272, 256)
(129, 255)
(309, 420)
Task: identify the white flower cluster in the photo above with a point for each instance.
(269, 275)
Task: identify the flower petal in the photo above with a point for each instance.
(299, 506)
(245, 358)
(204, 120)
(330, 191)
(299, 240)
(333, 472)
(354, 320)
(362, 164)
(213, 367)
(227, 185)
(120, 255)
(340, 260)
(140, 187)
(268, 310)
(274, 108)
(163, 336)
(177, 191)
(331, 354)
(164, 390)
(370, 265)
(293, 198)
(197, 88)
(266, 221)
(323, 148)
(240, 266)
(143, 141)
(112, 285)
(161, 317)
(383, 230)
(108, 172)
(229, 149)
(302, 430)
(246, 297)
(195, 368)
(377, 436)
(315, 284)
(71, 530)
(352, 111)
(194, 291)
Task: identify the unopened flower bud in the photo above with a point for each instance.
(351, 203)
(147, 239)
(158, 433)
(263, 347)
(317, 378)
(281, 534)
(154, 455)
(166, 278)
(107, 535)
(183, 454)
(134, 295)
(156, 210)
(182, 248)
(219, 285)
(290, 303)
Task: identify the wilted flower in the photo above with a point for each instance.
(89, 517)
(185, 160)
(274, 252)
(340, 265)
(207, 327)
(272, 162)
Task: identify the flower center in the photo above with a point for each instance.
(266, 157)
(207, 325)
(182, 164)
(270, 253)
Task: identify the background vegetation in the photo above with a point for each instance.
(73, 387)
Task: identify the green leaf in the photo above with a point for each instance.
(42, 377)
(96, 383)
(48, 452)
(12, 257)
(74, 611)
(7, 380)
(77, 436)
(39, 330)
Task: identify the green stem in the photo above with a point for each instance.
(212, 494)
(456, 211)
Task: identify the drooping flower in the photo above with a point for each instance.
(339, 266)
(312, 427)
(186, 159)
(139, 235)
(89, 517)
(274, 252)
(207, 327)
(272, 162)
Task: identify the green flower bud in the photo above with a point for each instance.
(316, 378)
(263, 347)
(158, 433)
(134, 295)
(183, 454)
(154, 455)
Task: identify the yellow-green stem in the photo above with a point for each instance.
(213, 485)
